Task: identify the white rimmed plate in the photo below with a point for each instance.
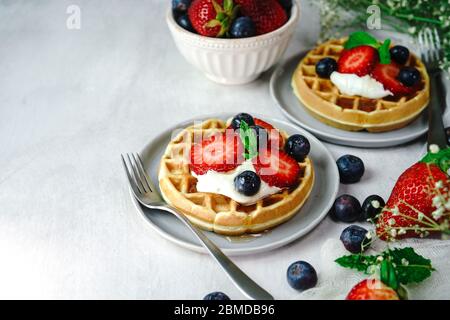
(315, 209)
(292, 108)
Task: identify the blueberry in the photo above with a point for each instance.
(185, 23)
(355, 239)
(286, 4)
(181, 6)
(301, 275)
(399, 54)
(409, 76)
(247, 183)
(325, 67)
(351, 168)
(346, 208)
(372, 207)
(298, 147)
(216, 296)
(262, 137)
(447, 132)
(243, 27)
(236, 122)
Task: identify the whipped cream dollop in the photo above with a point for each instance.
(354, 85)
(223, 183)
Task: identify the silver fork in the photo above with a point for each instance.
(431, 53)
(146, 193)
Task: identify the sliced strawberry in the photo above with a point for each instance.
(221, 153)
(359, 60)
(277, 168)
(372, 289)
(387, 74)
(275, 137)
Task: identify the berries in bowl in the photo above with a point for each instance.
(232, 41)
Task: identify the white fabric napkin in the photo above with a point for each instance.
(335, 281)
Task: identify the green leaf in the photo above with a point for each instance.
(410, 266)
(249, 140)
(383, 51)
(228, 5)
(388, 274)
(441, 158)
(213, 23)
(217, 7)
(361, 38)
(357, 261)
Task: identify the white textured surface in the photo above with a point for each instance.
(70, 102)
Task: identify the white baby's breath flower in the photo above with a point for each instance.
(439, 184)
(395, 211)
(391, 221)
(404, 262)
(437, 214)
(393, 233)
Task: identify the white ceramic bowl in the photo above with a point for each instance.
(233, 61)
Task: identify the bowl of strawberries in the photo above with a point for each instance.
(232, 41)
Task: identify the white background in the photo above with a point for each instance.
(70, 102)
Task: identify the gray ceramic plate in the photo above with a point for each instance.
(315, 209)
(280, 87)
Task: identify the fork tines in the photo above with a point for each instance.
(135, 172)
(430, 45)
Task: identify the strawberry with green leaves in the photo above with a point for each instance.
(212, 18)
(419, 204)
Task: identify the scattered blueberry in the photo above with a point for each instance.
(351, 168)
(399, 54)
(409, 76)
(247, 183)
(243, 27)
(372, 207)
(216, 296)
(181, 6)
(355, 239)
(298, 147)
(262, 137)
(447, 132)
(236, 122)
(185, 23)
(325, 67)
(286, 4)
(346, 208)
(301, 275)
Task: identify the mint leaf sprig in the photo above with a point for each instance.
(361, 38)
(397, 267)
(249, 140)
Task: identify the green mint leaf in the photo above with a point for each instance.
(361, 38)
(388, 274)
(441, 158)
(249, 140)
(410, 266)
(383, 51)
(357, 261)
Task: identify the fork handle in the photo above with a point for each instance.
(436, 131)
(248, 287)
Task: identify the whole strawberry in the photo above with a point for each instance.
(419, 204)
(268, 15)
(212, 18)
